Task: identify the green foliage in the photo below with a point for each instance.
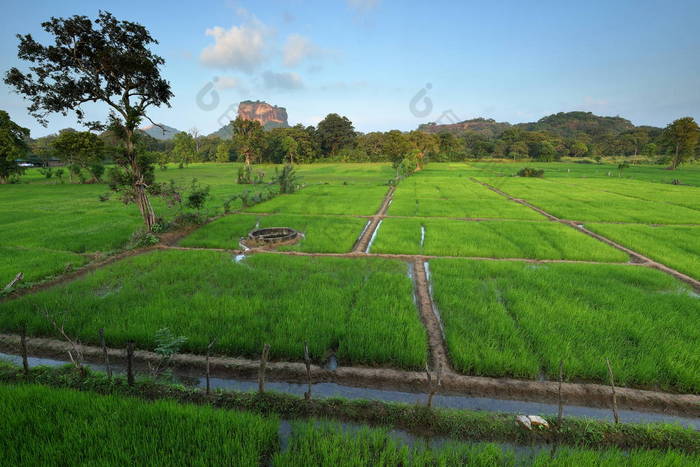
(79, 150)
(183, 148)
(334, 132)
(197, 196)
(248, 139)
(529, 172)
(287, 179)
(13, 145)
(683, 135)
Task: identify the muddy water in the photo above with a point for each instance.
(524, 454)
(329, 390)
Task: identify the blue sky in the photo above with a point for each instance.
(512, 61)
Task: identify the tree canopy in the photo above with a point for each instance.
(13, 145)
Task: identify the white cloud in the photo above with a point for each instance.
(363, 5)
(297, 49)
(227, 82)
(239, 48)
(283, 81)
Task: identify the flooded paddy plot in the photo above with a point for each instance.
(359, 309)
(516, 319)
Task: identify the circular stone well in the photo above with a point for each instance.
(272, 236)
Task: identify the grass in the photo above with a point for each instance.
(675, 246)
(321, 234)
(440, 196)
(515, 319)
(582, 203)
(494, 239)
(35, 263)
(362, 308)
(49, 426)
(360, 200)
(657, 174)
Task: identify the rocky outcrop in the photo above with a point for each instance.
(269, 116)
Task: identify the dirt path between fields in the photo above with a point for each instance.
(635, 257)
(591, 395)
(431, 320)
(363, 241)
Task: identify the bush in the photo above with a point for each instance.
(529, 172)
(198, 196)
(143, 238)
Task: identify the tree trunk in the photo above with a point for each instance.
(140, 195)
(675, 161)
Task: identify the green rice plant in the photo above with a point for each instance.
(362, 308)
(583, 203)
(321, 234)
(516, 319)
(494, 239)
(48, 426)
(330, 443)
(35, 263)
(676, 246)
(461, 208)
(327, 199)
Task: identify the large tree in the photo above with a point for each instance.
(102, 61)
(13, 145)
(79, 149)
(184, 148)
(335, 132)
(249, 139)
(683, 136)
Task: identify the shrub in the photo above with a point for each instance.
(529, 172)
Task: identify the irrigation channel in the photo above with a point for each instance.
(325, 390)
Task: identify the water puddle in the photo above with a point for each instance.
(374, 235)
(422, 235)
(324, 390)
(239, 258)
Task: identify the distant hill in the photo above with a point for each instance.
(483, 126)
(568, 124)
(165, 133)
(564, 124)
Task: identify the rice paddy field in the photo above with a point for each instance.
(517, 319)
(42, 425)
(514, 317)
(360, 309)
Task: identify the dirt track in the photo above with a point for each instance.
(363, 242)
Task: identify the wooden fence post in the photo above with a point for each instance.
(433, 386)
(263, 367)
(307, 361)
(104, 352)
(560, 415)
(130, 363)
(25, 358)
(614, 395)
